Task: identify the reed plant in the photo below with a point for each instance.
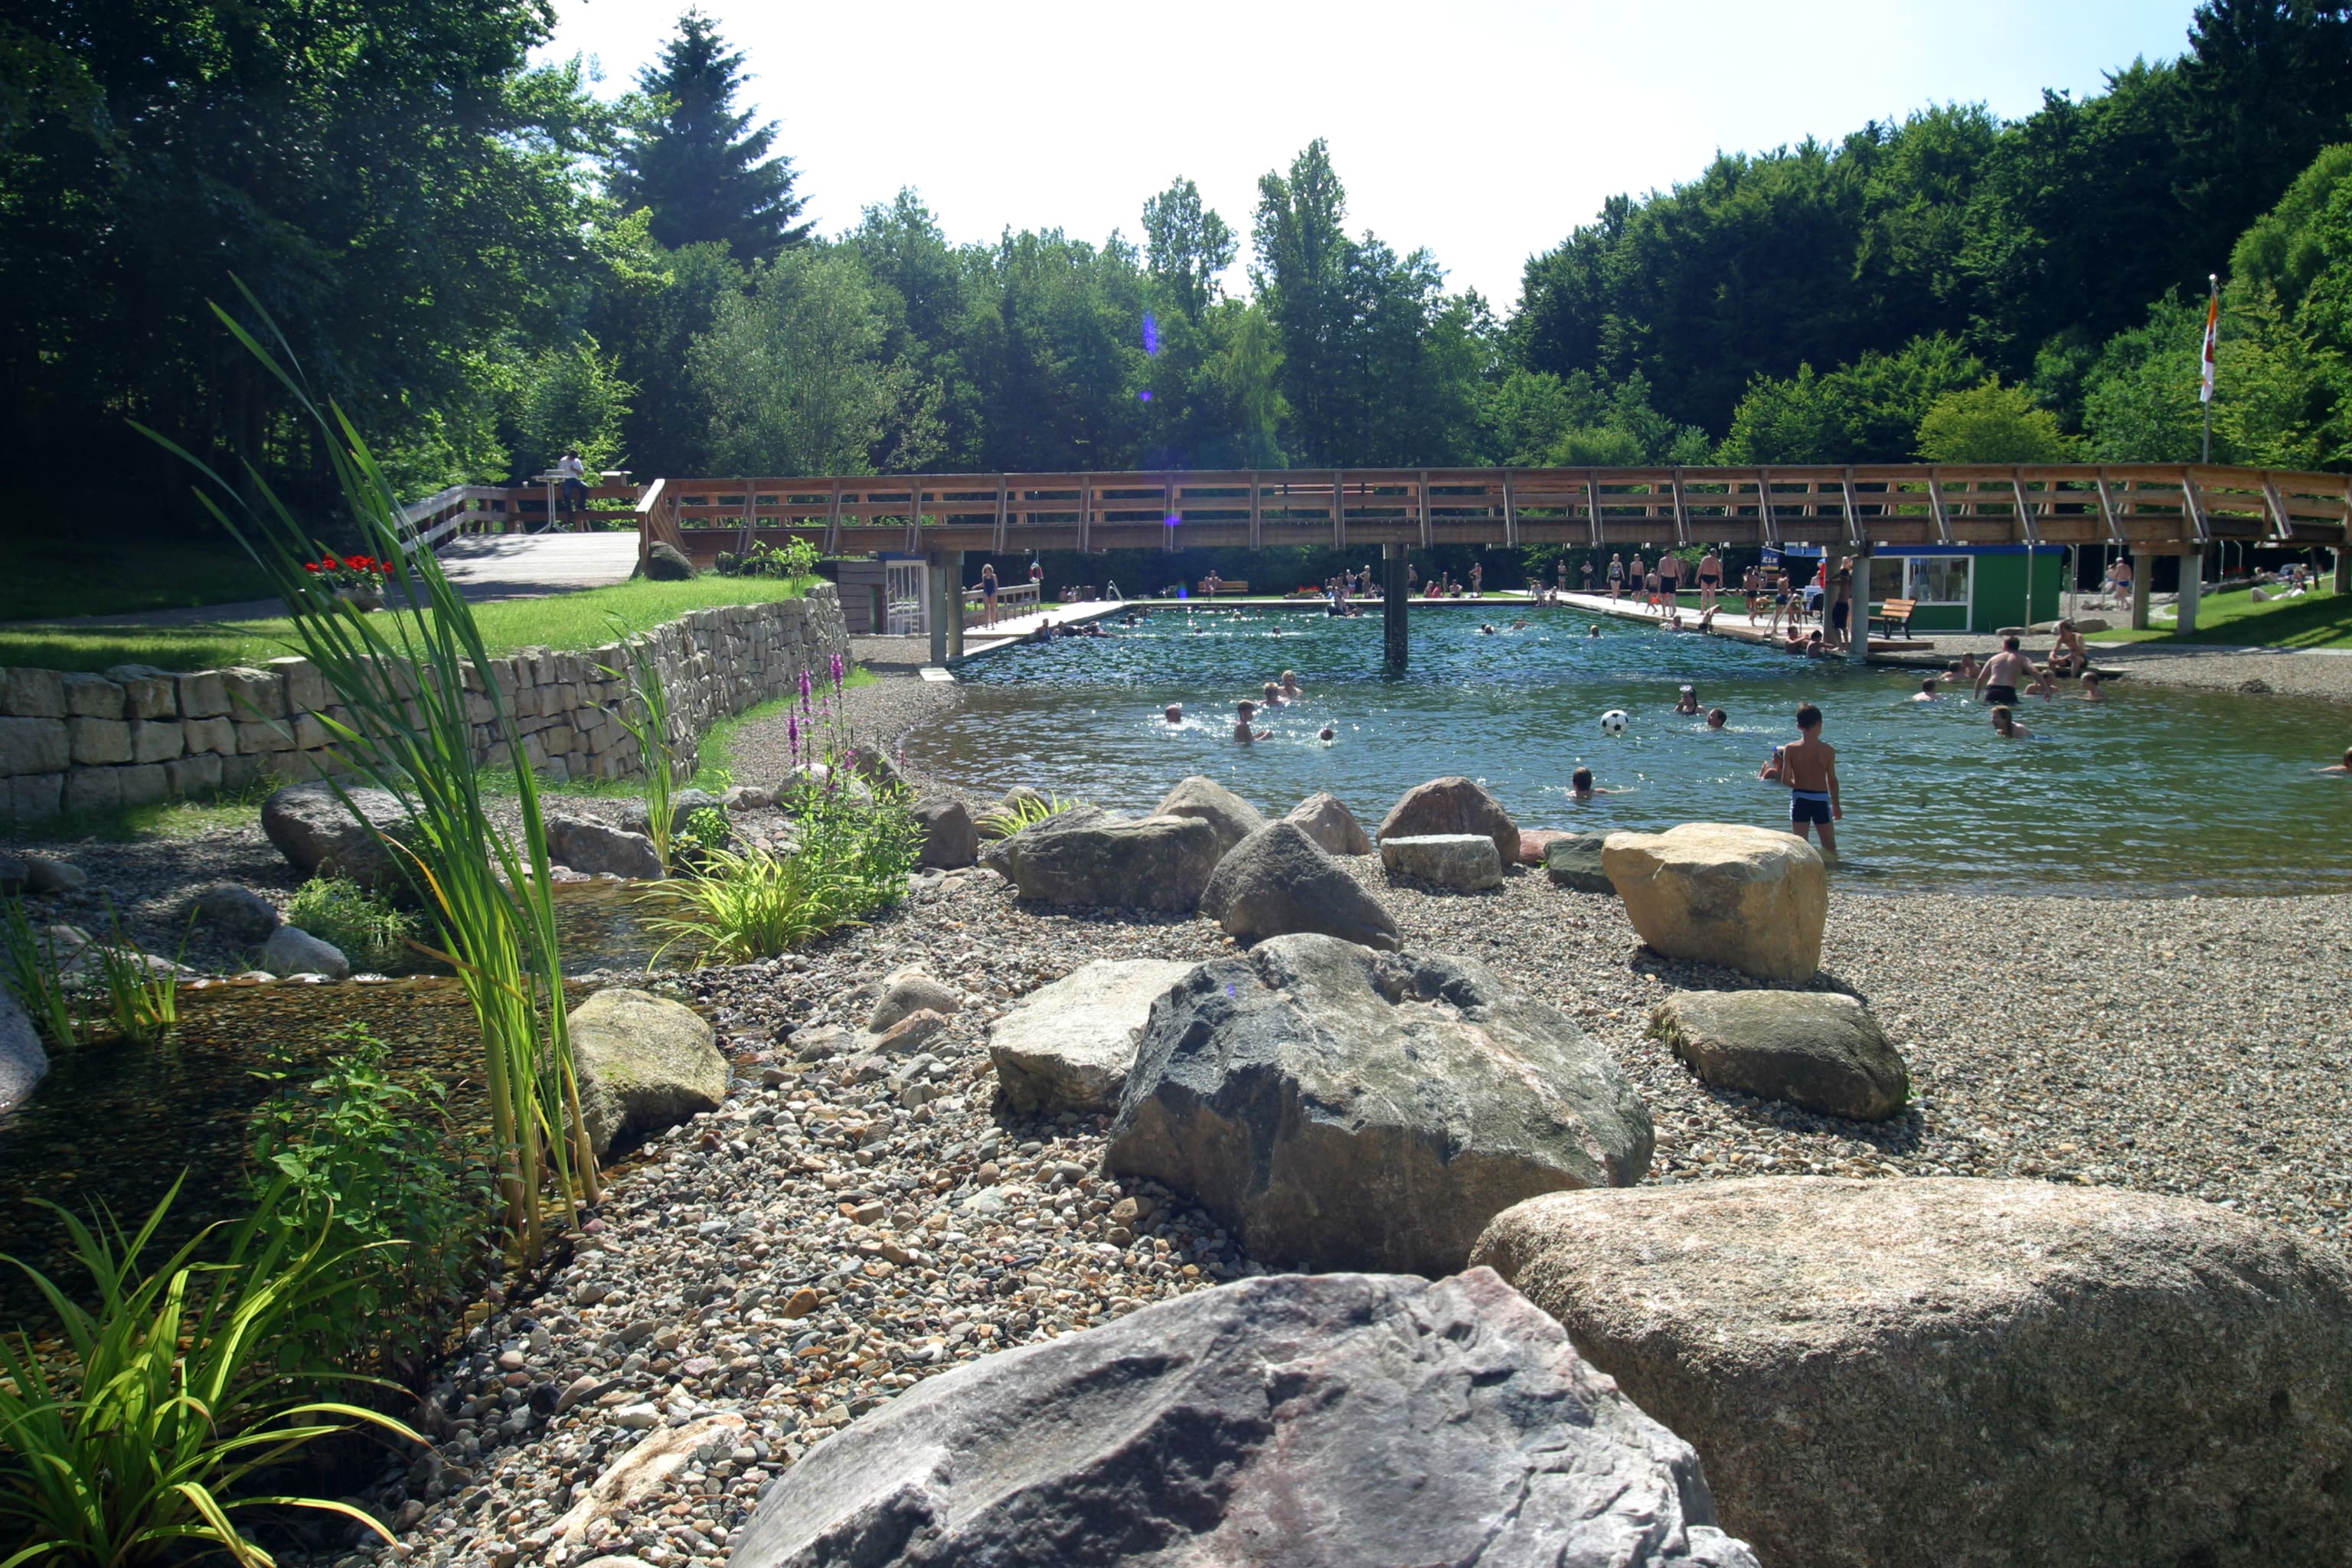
(133, 1443)
(143, 992)
(1025, 811)
(410, 682)
(645, 716)
(29, 968)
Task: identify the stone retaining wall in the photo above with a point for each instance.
(75, 743)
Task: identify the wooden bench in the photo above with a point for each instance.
(1238, 587)
(1894, 611)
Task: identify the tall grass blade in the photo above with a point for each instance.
(30, 967)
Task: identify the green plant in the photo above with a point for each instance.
(645, 716)
(406, 682)
(132, 1443)
(371, 932)
(707, 830)
(366, 1158)
(142, 992)
(1025, 811)
(854, 855)
(30, 967)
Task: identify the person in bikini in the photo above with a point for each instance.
(1809, 769)
(2004, 675)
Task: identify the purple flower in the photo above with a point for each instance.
(792, 733)
(839, 674)
(806, 686)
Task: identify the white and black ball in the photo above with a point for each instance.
(1613, 723)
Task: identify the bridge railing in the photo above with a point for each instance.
(2160, 508)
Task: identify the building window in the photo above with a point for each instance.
(1885, 578)
(1939, 579)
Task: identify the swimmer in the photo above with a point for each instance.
(2343, 768)
(2044, 685)
(1485, 629)
(1689, 701)
(1926, 692)
(1520, 624)
(2093, 690)
(1592, 631)
(1174, 713)
(1717, 718)
(1581, 787)
(1271, 695)
(1290, 691)
(2005, 725)
(1326, 734)
(1247, 710)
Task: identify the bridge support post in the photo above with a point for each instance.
(1857, 617)
(944, 570)
(2343, 570)
(1394, 608)
(2143, 568)
(2192, 589)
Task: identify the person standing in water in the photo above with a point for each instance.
(1808, 768)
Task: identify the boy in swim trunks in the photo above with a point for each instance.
(1809, 769)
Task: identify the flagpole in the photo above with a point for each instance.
(2212, 314)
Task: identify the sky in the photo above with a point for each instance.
(1482, 129)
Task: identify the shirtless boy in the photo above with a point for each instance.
(1809, 769)
(2004, 674)
(1242, 731)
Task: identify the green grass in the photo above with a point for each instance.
(96, 570)
(2321, 618)
(585, 619)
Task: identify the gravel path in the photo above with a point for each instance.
(822, 1242)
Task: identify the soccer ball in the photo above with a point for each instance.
(1613, 721)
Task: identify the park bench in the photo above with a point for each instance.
(1213, 590)
(1894, 612)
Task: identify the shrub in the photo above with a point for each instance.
(854, 856)
(371, 932)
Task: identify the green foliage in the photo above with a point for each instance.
(644, 714)
(570, 398)
(1866, 411)
(135, 1442)
(143, 992)
(1025, 811)
(371, 932)
(853, 857)
(1992, 424)
(369, 1163)
(30, 969)
(794, 558)
(707, 833)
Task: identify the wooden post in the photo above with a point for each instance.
(2143, 568)
(1394, 608)
(2192, 589)
(1857, 618)
(936, 613)
(2343, 569)
(953, 573)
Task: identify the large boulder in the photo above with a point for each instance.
(1573, 862)
(665, 562)
(589, 846)
(236, 911)
(644, 1064)
(1747, 898)
(1149, 863)
(1323, 1421)
(321, 837)
(290, 950)
(1069, 1045)
(1534, 843)
(950, 838)
(1973, 1374)
(1234, 818)
(23, 1062)
(909, 991)
(1453, 806)
(1278, 880)
(1818, 1049)
(1329, 823)
(1334, 1105)
(1463, 862)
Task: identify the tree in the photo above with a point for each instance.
(1866, 411)
(696, 162)
(1303, 261)
(1186, 246)
(570, 398)
(1992, 424)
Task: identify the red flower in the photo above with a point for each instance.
(310, 566)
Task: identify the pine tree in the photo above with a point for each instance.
(695, 162)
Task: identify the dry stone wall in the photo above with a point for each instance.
(71, 741)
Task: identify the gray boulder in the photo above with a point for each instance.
(950, 838)
(45, 874)
(646, 1063)
(1462, 862)
(237, 912)
(1574, 863)
(589, 846)
(319, 837)
(665, 563)
(1361, 1109)
(1814, 1048)
(1278, 880)
(746, 797)
(1069, 1045)
(1234, 818)
(290, 950)
(1150, 863)
(909, 991)
(23, 1062)
(1969, 1372)
(1330, 1421)
(1329, 823)
(1454, 804)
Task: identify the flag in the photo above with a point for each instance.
(2212, 335)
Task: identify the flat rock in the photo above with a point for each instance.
(1353, 1109)
(319, 837)
(1573, 862)
(1463, 862)
(1233, 818)
(1454, 804)
(1329, 823)
(1818, 1049)
(1332, 1421)
(1278, 880)
(645, 1470)
(950, 838)
(590, 846)
(23, 1062)
(911, 991)
(1748, 898)
(1151, 862)
(238, 911)
(290, 950)
(646, 1063)
(1970, 1373)
(46, 874)
(1069, 1045)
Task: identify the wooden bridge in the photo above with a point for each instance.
(2144, 509)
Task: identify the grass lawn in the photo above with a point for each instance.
(2320, 618)
(585, 619)
(70, 573)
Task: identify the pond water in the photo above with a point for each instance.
(2158, 789)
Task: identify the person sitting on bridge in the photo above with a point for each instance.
(575, 482)
(1242, 731)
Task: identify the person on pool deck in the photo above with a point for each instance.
(2343, 768)
(1687, 701)
(1587, 573)
(1247, 710)
(1634, 573)
(1669, 576)
(2005, 725)
(988, 592)
(1809, 769)
(2071, 655)
(2092, 690)
(1926, 692)
(1616, 576)
(1477, 580)
(2003, 674)
(1841, 608)
(1710, 578)
(1717, 718)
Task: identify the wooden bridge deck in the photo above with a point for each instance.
(2151, 509)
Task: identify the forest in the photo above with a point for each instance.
(485, 263)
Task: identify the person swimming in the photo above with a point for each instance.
(1271, 695)
(1926, 692)
(2005, 725)
(1326, 734)
(1592, 631)
(2093, 690)
(1173, 714)
(1717, 718)
(1687, 702)
(2343, 768)
(1290, 690)
(1247, 710)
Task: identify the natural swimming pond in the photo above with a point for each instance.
(2160, 789)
